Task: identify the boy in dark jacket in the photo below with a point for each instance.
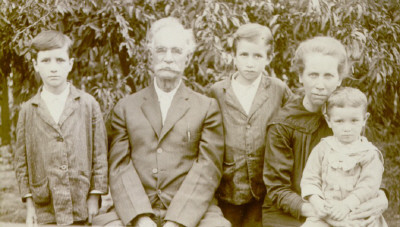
(248, 100)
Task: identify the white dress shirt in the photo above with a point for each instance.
(55, 103)
(246, 93)
(165, 99)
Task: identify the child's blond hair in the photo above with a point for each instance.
(346, 97)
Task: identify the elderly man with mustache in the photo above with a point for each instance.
(167, 143)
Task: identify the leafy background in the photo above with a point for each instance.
(111, 61)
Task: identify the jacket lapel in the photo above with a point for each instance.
(151, 110)
(261, 95)
(71, 105)
(177, 110)
(43, 112)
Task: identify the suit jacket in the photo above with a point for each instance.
(178, 164)
(245, 137)
(59, 164)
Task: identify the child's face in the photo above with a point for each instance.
(53, 67)
(250, 60)
(320, 78)
(347, 123)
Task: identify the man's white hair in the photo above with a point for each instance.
(171, 22)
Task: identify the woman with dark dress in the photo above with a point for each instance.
(321, 64)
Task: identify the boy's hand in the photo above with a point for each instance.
(144, 221)
(93, 206)
(319, 205)
(31, 218)
(339, 211)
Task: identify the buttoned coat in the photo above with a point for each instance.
(178, 163)
(59, 164)
(245, 137)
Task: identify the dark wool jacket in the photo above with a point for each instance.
(290, 138)
(245, 137)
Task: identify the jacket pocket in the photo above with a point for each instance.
(41, 192)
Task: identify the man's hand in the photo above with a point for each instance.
(319, 206)
(144, 221)
(339, 211)
(372, 207)
(93, 206)
(31, 218)
(171, 224)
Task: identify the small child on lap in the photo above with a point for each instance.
(343, 170)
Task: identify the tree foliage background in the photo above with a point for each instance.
(111, 60)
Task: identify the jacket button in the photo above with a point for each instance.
(248, 126)
(155, 170)
(63, 167)
(159, 191)
(59, 139)
(159, 150)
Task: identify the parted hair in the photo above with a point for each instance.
(346, 97)
(49, 40)
(253, 32)
(324, 45)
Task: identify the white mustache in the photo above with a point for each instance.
(167, 68)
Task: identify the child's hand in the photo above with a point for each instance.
(93, 206)
(31, 218)
(319, 205)
(339, 211)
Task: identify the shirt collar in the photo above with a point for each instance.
(255, 83)
(46, 94)
(162, 94)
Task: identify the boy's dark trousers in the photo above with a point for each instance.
(248, 214)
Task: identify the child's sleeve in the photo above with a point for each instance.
(311, 181)
(20, 157)
(370, 179)
(99, 179)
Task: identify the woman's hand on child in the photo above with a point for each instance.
(371, 207)
(93, 206)
(31, 218)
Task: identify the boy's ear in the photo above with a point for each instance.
(301, 78)
(34, 64)
(269, 58)
(327, 120)
(366, 117)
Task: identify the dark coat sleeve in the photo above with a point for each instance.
(278, 167)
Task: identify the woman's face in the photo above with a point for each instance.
(320, 78)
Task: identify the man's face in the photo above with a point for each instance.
(169, 54)
(53, 67)
(320, 78)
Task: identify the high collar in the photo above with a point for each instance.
(264, 80)
(294, 115)
(73, 92)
